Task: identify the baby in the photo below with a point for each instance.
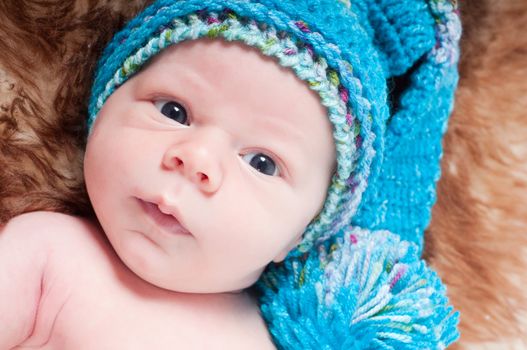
(206, 161)
(201, 172)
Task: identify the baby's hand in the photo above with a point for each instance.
(363, 290)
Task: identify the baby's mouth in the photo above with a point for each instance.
(166, 222)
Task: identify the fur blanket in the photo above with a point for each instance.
(477, 240)
(48, 51)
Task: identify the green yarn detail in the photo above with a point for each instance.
(130, 67)
(334, 78)
(215, 32)
(268, 44)
(168, 35)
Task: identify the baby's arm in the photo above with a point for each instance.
(22, 264)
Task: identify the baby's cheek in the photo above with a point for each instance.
(279, 221)
(105, 164)
(127, 160)
(93, 168)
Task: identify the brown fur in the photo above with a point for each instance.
(48, 50)
(478, 236)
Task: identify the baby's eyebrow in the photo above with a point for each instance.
(191, 80)
(282, 128)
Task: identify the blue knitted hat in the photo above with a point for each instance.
(387, 156)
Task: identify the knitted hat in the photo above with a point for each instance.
(388, 147)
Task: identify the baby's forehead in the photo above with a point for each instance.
(240, 80)
(218, 53)
(228, 64)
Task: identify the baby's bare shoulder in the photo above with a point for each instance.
(43, 220)
(44, 227)
(58, 237)
(35, 248)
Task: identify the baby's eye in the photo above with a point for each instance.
(173, 110)
(262, 162)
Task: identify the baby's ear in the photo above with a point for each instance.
(282, 254)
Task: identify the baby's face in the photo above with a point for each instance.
(208, 165)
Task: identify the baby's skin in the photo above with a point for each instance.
(202, 169)
(63, 287)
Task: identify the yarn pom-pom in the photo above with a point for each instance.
(363, 290)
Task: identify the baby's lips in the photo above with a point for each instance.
(165, 217)
(173, 212)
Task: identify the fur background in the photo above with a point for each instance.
(477, 240)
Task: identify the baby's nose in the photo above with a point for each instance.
(198, 162)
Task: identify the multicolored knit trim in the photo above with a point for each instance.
(293, 48)
(448, 31)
